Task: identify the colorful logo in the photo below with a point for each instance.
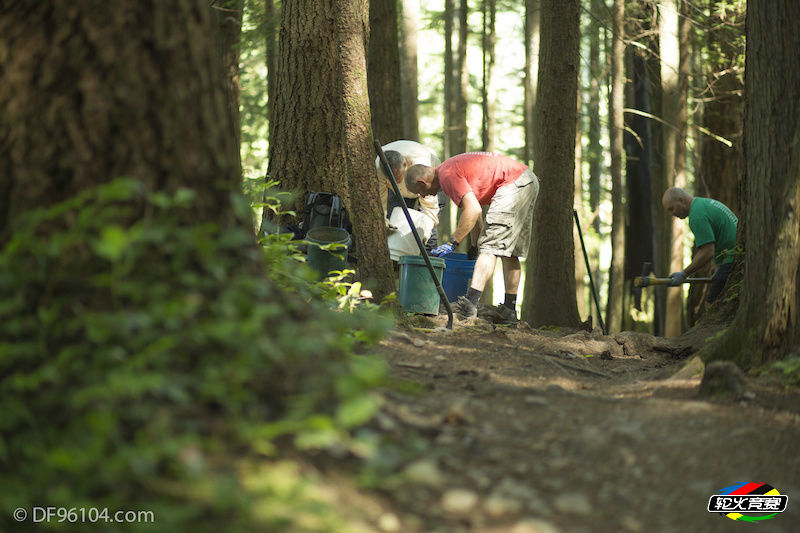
(748, 502)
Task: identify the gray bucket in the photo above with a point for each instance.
(325, 261)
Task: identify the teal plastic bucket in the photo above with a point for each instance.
(457, 275)
(325, 261)
(418, 292)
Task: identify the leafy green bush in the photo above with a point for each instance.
(139, 361)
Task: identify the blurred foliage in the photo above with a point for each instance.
(787, 370)
(141, 361)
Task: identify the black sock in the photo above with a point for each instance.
(473, 296)
(511, 301)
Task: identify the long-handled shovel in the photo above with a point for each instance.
(388, 171)
(589, 272)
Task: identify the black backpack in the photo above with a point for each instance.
(324, 209)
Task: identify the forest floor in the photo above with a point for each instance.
(542, 431)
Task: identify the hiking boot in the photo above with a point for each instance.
(505, 314)
(465, 309)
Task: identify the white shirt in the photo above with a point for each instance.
(417, 154)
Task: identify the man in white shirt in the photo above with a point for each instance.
(402, 155)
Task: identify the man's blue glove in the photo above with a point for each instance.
(444, 249)
(677, 279)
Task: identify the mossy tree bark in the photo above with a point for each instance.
(80, 105)
(550, 269)
(322, 139)
(766, 326)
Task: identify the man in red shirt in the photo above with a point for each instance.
(510, 189)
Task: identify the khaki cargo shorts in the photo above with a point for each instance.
(507, 228)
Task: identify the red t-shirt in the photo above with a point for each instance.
(481, 173)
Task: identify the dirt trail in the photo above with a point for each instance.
(545, 431)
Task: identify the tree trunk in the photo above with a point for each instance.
(595, 151)
(409, 70)
(383, 71)
(662, 220)
(639, 238)
(229, 28)
(459, 143)
(532, 18)
(271, 23)
(550, 272)
(81, 106)
(616, 272)
(674, 81)
(272, 17)
(446, 224)
(597, 75)
(488, 40)
(577, 205)
(487, 96)
(766, 327)
(322, 139)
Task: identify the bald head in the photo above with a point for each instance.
(421, 179)
(677, 201)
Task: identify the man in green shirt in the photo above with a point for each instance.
(714, 229)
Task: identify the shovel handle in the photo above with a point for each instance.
(644, 281)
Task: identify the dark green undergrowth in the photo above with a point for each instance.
(144, 356)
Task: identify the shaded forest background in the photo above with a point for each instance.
(644, 120)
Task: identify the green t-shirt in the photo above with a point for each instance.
(712, 221)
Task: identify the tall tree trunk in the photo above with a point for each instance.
(446, 223)
(550, 272)
(596, 74)
(460, 133)
(577, 205)
(272, 17)
(532, 18)
(674, 81)
(409, 71)
(271, 24)
(165, 122)
(322, 137)
(229, 28)
(383, 71)
(767, 327)
(616, 274)
(720, 149)
(662, 220)
(639, 238)
(487, 93)
(488, 40)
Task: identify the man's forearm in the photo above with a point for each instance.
(468, 220)
(475, 232)
(701, 258)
